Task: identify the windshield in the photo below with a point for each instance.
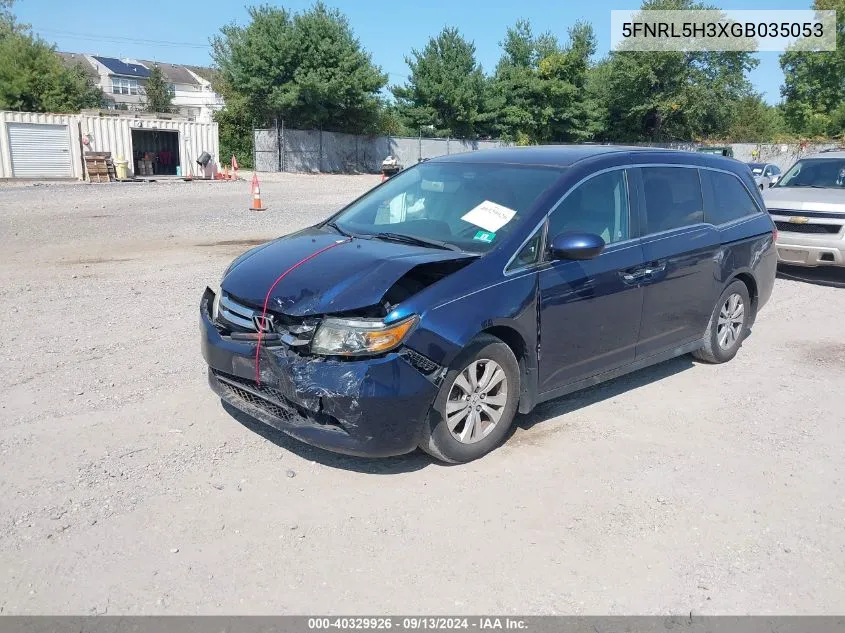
(756, 168)
(469, 206)
(815, 172)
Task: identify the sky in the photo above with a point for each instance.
(178, 32)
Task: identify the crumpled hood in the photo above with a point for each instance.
(805, 199)
(350, 276)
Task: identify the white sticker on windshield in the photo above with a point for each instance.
(489, 216)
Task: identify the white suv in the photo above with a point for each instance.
(808, 207)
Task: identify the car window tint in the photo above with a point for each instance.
(672, 198)
(599, 205)
(530, 253)
(725, 198)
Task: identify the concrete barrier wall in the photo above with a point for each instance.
(783, 155)
(334, 152)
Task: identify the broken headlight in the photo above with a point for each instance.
(360, 337)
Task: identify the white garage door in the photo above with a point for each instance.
(40, 151)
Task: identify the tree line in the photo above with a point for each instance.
(309, 70)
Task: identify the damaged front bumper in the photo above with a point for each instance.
(372, 407)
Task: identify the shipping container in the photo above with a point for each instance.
(50, 146)
(39, 146)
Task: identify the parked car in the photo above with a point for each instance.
(765, 174)
(720, 150)
(808, 207)
(470, 287)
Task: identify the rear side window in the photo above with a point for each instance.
(672, 198)
(725, 198)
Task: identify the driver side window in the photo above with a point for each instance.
(408, 205)
(599, 206)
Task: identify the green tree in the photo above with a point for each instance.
(446, 88)
(392, 122)
(539, 88)
(755, 121)
(667, 95)
(33, 77)
(813, 88)
(158, 95)
(307, 69)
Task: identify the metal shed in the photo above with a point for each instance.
(115, 134)
(39, 146)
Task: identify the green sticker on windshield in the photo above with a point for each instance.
(484, 236)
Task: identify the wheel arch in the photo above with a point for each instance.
(748, 279)
(511, 337)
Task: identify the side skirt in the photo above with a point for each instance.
(620, 371)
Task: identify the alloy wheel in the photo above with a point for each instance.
(731, 320)
(476, 401)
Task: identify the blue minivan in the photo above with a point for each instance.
(469, 288)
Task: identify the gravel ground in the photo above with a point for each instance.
(127, 488)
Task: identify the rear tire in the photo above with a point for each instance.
(728, 325)
(475, 407)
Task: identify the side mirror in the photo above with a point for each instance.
(576, 246)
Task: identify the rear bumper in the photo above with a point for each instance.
(802, 250)
(371, 407)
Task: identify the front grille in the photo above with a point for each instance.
(255, 402)
(235, 314)
(829, 215)
(239, 317)
(818, 229)
(271, 401)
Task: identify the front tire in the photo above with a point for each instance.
(475, 407)
(728, 325)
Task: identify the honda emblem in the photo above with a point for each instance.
(263, 323)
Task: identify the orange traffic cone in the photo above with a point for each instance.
(256, 195)
(234, 167)
(383, 176)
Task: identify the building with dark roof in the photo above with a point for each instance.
(123, 82)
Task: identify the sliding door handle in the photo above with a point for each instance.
(633, 275)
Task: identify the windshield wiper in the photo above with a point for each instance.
(417, 241)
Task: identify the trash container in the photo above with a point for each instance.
(121, 166)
